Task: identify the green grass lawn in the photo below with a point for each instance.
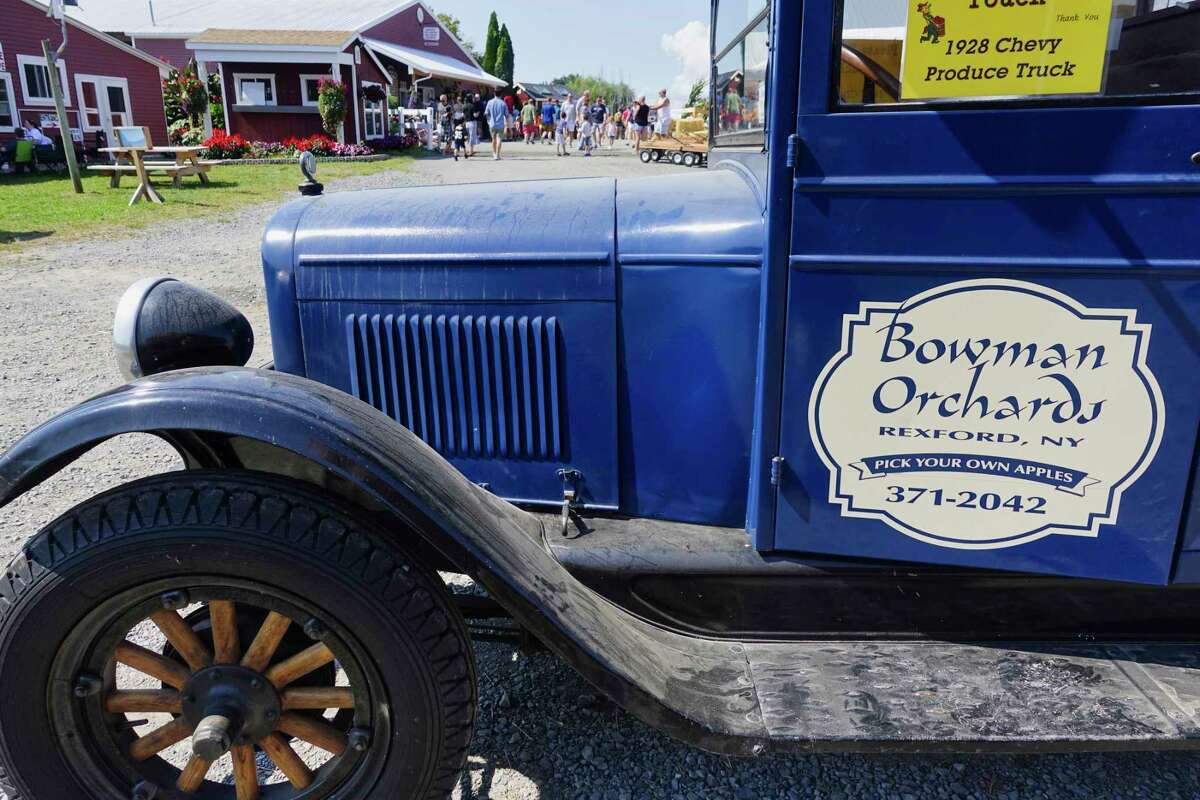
(43, 207)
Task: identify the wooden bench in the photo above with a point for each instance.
(134, 145)
(175, 170)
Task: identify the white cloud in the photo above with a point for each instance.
(689, 46)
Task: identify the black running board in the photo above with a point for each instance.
(1007, 697)
(709, 582)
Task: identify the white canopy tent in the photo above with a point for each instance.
(438, 66)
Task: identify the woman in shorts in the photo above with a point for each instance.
(641, 119)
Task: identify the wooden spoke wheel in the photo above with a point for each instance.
(237, 689)
(228, 636)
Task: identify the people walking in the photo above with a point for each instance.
(582, 109)
(482, 132)
(598, 112)
(496, 111)
(472, 125)
(459, 110)
(460, 140)
(585, 137)
(561, 137)
(569, 110)
(642, 119)
(445, 123)
(528, 125)
(549, 120)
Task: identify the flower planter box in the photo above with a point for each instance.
(293, 160)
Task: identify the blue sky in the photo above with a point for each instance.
(650, 44)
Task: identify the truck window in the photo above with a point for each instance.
(739, 87)
(905, 52)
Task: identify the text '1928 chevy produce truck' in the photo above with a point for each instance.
(879, 434)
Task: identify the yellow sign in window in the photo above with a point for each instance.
(991, 48)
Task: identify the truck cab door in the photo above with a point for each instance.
(992, 352)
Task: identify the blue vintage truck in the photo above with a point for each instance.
(879, 434)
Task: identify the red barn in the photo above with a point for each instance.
(270, 77)
(270, 56)
(106, 82)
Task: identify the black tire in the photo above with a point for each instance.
(677, 159)
(252, 530)
(658, 155)
(689, 159)
(646, 156)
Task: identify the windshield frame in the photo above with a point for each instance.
(747, 138)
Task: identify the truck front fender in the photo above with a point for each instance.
(696, 690)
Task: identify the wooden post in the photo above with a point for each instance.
(202, 74)
(64, 123)
(335, 71)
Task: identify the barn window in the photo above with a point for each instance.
(8, 102)
(35, 81)
(309, 88)
(255, 89)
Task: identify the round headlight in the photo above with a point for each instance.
(164, 324)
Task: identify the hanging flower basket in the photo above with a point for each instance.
(331, 104)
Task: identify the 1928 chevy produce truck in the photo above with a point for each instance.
(879, 435)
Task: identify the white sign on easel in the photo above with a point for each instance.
(253, 94)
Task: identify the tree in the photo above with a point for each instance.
(504, 57)
(454, 25)
(617, 94)
(492, 46)
(698, 93)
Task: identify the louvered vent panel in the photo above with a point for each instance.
(470, 386)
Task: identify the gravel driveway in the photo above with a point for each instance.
(542, 733)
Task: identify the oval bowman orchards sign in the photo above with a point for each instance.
(987, 414)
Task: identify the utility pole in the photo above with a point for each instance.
(64, 123)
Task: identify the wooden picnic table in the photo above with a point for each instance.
(186, 157)
(184, 161)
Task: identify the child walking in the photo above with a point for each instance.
(561, 137)
(586, 131)
(460, 140)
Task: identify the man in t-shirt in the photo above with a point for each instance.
(528, 121)
(494, 112)
(598, 112)
(472, 124)
(569, 110)
(549, 114)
